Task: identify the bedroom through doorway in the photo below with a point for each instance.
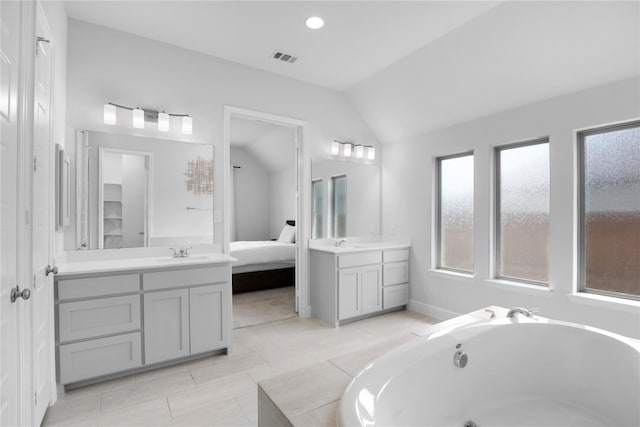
(263, 234)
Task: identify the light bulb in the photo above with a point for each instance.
(314, 23)
(335, 148)
(163, 122)
(109, 114)
(138, 118)
(347, 150)
(359, 152)
(187, 125)
(371, 153)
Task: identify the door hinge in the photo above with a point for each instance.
(35, 398)
(27, 217)
(35, 164)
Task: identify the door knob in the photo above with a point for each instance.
(17, 293)
(48, 269)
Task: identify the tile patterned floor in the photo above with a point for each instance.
(221, 390)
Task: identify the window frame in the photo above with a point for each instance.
(313, 208)
(333, 204)
(581, 217)
(497, 212)
(438, 213)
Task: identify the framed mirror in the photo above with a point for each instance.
(134, 191)
(345, 199)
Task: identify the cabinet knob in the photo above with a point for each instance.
(16, 293)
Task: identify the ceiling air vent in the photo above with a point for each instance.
(284, 57)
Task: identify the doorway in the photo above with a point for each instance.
(276, 141)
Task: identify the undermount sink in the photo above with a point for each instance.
(171, 260)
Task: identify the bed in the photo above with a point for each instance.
(264, 264)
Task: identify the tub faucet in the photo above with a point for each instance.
(519, 310)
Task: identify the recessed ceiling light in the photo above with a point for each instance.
(315, 23)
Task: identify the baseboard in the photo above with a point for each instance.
(437, 313)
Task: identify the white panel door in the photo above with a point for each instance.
(166, 325)
(9, 53)
(349, 292)
(42, 221)
(371, 289)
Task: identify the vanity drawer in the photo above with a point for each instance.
(97, 286)
(185, 277)
(360, 258)
(396, 255)
(103, 356)
(395, 273)
(92, 318)
(395, 296)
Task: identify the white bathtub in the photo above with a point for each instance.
(520, 372)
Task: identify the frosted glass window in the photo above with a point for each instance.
(339, 206)
(610, 210)
(455, 213)
(522, 212)
(316, 225)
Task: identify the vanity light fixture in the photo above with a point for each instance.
(163, 122)
(335, 148)
(138, 118)
(109, 114)
(141, 115)
(371, 153)
(348, 148)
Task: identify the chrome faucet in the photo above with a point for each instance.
(520, 310)
(181, 253)
(339, 243)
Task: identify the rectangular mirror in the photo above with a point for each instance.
(134, 191)
(346, 199)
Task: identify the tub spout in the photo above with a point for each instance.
(520, 310)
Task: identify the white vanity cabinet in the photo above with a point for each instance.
(111, 323)
(347, 285)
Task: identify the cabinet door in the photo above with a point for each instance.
(208, 312)
(371, 289)
(166, 325)
(349, 292)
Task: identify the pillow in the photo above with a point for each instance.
(287, 235)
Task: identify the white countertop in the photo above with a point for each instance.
(359, 247)
(146, 263)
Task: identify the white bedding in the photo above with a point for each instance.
(262, 252)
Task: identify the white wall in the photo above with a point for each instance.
(252, 190)
(111, 66)
(407, 177)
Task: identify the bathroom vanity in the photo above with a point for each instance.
(122, 316)
(357, 280)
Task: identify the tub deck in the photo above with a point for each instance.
(309, 396)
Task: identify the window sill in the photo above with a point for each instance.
(447, 274)
(538, 290)
(603, 301)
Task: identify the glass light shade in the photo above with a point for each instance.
(138, 118)
(347, 150)
(314, 23)
(163, 122)
(359, 152)
(187, 125)
(371, 153)
(335, 148)
(109, 114)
